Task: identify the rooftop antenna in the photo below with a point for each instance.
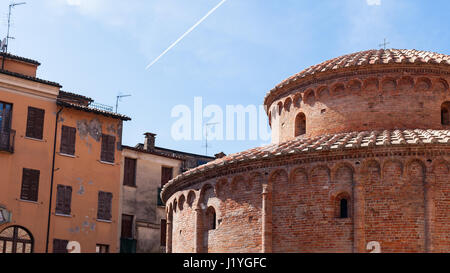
(5, 42)
(207, 126)
(384, 44)
(118, 99)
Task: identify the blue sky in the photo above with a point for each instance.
(99, 48)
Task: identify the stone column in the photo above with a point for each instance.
(266, 218)
(198, 239)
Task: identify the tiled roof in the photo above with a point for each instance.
(70, 94)
(370, 57)
(91, 110)
(11, 56)
(25, 77)
(336, 142)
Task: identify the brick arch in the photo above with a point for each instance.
(300, 126)
(297, 100)
(191, 198)
(181, 202)
(391, 169)
(335, 172)
(323, 93)
(320, 173)
(310, 97)
(280, 108)
(287, 104)
(278, 175)
(423, 84)
(438, 163)
(338, 89)
(413, 168)
(406, 83)
(237, 183)
(371, 170)
(445, 113)
(371, 85)
(336, 198)
(206, 192)
(440, 85)
(175, 205)
(389, 84)
(354, 85)
(298, 176)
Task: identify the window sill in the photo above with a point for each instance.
(67, 155)
(104, 221)
(35, 139)
(107, 163)
(130, 186)
(63, 215)
(28, 201)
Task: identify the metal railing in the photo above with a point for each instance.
(7, 140)
(100, 106)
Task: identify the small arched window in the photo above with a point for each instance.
(300, 125)
(16, 239)
(211, 218)
(445, 113)
(343, 208)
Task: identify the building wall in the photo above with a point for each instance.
(397, 200)
(141, 201)
(373, 100)
(88, 175)
(28, 153)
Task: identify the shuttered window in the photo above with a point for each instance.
(60, 246)
(102, 249)
(163, 232)
(130, 172)
(30, 185)
(108, 148)
(166, 175)
(35, 123)
(127, 226)
(68, 137)
(104, 206)
(63, 200)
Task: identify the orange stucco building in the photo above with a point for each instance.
(56, 148)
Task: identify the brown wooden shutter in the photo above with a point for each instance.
(68, 138)
(104, 206)
(64, 200)
(108, 148)
(127, 226)
(35, 123)
(30, 185)
(130, 172)
(68, 200)
(60, 246)
(60, 199)
(166, 175)
(163, 232)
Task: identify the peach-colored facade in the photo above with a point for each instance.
(83, 171)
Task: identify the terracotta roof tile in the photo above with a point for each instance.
(335, 142)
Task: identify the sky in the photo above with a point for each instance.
(101, 48)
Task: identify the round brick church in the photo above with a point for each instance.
(360, 162)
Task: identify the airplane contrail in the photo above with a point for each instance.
(185, 34)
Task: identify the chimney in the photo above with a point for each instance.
(220, 155)
(149, 144)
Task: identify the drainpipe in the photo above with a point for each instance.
(51, 181)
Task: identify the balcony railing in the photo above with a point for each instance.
(7, 141)
(102, 107)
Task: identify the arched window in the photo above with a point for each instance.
(445, 113)
(343, 208)
(16, 239)
(300, 125)
(210, 218)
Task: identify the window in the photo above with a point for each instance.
(108, 150)
(127, 226)
(163, 232)
(68, 137)
(102, 249)
(60, 246)
(35, 123)
(344, 208)
(16, 240)
(129, 178)
(63, 200)
(300, 125)
(211, 218)
(5, 125)
(104, 206)
(30, 185)
(445, 113)
(166, 175)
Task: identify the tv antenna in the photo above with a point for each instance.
(384, 44)
(119, 97)
(11, 6)
(207, 127)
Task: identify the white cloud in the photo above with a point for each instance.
(373, 2)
